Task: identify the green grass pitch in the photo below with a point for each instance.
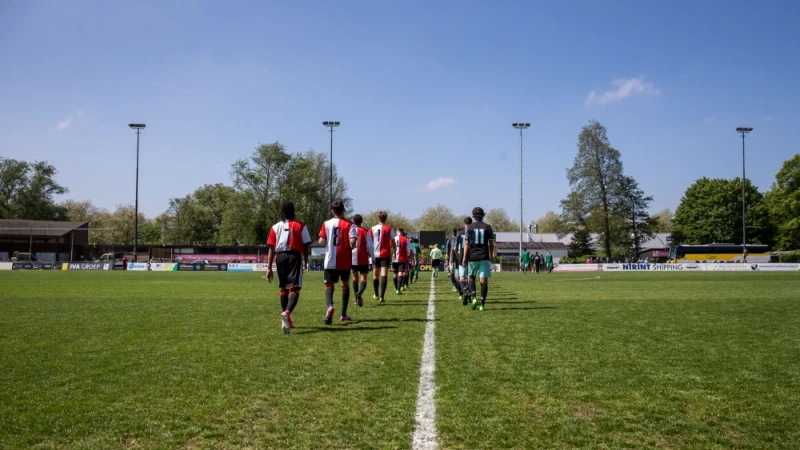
(198, 360)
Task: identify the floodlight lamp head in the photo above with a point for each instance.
(136, 125)
(520, 125)
(743, 129)
(331, 123)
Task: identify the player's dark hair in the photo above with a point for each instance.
(455, 231)
(357, 219)
(401, 231)
(467, 220)
(338, 207)
(382, 216)
(287, 210)
(478, 213)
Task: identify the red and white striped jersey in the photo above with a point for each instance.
(363, 251)
(382, 238)
(337, 234)
(403, 248)
(288, 236)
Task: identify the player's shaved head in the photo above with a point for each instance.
(382, 216)
(287, 210)
(478, 213)
(358, 220)
(467, 220)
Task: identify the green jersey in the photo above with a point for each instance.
(548, 259)
(526, 258)
(417, 252)
(436, 253)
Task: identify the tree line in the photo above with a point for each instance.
(606, 202)
(603, 201)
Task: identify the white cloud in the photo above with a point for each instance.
(68, 121)
(624, 88)
(439, 183)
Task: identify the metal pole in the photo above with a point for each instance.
(71, 244)
(744, 209)
(520, 193)
(330, 181)
(136, 208)
(30, 242)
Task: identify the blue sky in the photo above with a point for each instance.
(424, 90)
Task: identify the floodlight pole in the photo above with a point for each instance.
(520, 126)
(744, 131)
(331, 125)
(138, 127)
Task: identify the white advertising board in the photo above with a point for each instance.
(577, 268)
(6, 265)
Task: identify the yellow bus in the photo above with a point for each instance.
(719, 252)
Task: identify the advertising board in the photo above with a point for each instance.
(578, 268)
(36, 265)
(138, 266)
(162, 267)
(88, 266)
(733, 267)
(262, 267)
(240, 267)
(776, 267)
(6, 266)
(200, 267)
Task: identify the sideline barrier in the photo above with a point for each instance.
(6, 266)
(711, 267)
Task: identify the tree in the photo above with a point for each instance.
(711, 212)
(395, 220)
(575, 216)
(28, 190)
(784, 204)
(631, 203)
(581, 242)
(498, 219)
(437, 218)
(305, 182)
(551, 222)
(271, 175)
(81, 211)
(597, 166)
(663, 221)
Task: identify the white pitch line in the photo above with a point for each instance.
(424, 436)
(578, 279)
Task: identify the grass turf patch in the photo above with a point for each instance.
(184, 360)
(197, 360)
(706, 360)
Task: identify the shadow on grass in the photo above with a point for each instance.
(401, 303)
(334, 329)
(393, 320)
(524, 307)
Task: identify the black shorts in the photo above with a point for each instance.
(436, 263)
(399, 267)
(381, 262)
(361, 269)
(333, 275)
(290, 270)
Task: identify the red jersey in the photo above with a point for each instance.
(402, 249)
(363, 251)
(382, 237)
(337, 234)
(288, 236)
